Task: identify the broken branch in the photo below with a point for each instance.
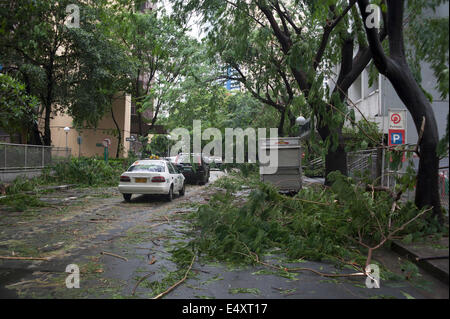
(113, 255)
(139, 282)
(178, 282)
(25, 258)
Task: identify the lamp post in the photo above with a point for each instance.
(66, 129)
(300, 121)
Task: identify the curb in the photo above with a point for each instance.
(426, 265)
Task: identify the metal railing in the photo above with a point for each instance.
(24, 156)
(363, 163)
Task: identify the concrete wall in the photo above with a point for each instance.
(91, 136)
(10, 175)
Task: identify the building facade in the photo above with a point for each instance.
(375, 101)
(90, 138)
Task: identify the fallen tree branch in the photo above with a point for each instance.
(139, 282)
(24, 258)
(389, 236)
(159, 224)
(178, 282)
(113, 255)
(256, 259)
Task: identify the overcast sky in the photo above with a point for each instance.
(194, 23)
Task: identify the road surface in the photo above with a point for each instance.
(117, 245)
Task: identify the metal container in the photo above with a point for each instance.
(288, 172)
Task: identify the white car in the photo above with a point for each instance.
(151, 177)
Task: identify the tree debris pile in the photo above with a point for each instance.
(337, 224)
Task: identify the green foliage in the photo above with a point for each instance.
(21, 202)
(17, 108)
(361, 136)
(22, 184)
(74, 70)
(87, 172)
(159, 145)
(428, 34)
(316, 224)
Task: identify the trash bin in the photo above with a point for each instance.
(288, 173)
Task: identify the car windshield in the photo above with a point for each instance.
(147, 168)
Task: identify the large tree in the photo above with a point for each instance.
(17, 108)
(304, 38)
(394, 65)
(68, 69)
(157, 48)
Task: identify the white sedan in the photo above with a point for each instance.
(151, 177)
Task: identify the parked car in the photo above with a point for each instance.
(152, 177)
(194, 168)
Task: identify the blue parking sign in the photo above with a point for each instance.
(396, 137)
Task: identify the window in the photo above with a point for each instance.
(355, 93)
(374, 86)
(159, 168)
(171, 168)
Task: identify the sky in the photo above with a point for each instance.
(194, 23)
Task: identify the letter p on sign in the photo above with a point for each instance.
(396, 137)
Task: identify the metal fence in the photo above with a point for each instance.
(364, 163)
(24, 156)
(368, 163)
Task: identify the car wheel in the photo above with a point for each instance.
(183, 189)
(170, 195)
(127, 197)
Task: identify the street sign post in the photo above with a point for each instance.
(79, 141)
(106, 142)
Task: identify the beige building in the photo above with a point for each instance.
(90, 137)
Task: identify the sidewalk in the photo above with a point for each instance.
(431, 256)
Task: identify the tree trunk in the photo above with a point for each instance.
(395, 67)
(335, 160)
(34, 135)
(427, 188)
(48, 104)
(47, 132)
(281, 124)
(119, 134)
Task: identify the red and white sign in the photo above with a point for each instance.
(397, 119)
(397, 128)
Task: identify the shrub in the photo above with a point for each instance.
(87, 171)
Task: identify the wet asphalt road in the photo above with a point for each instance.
(85, 226)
